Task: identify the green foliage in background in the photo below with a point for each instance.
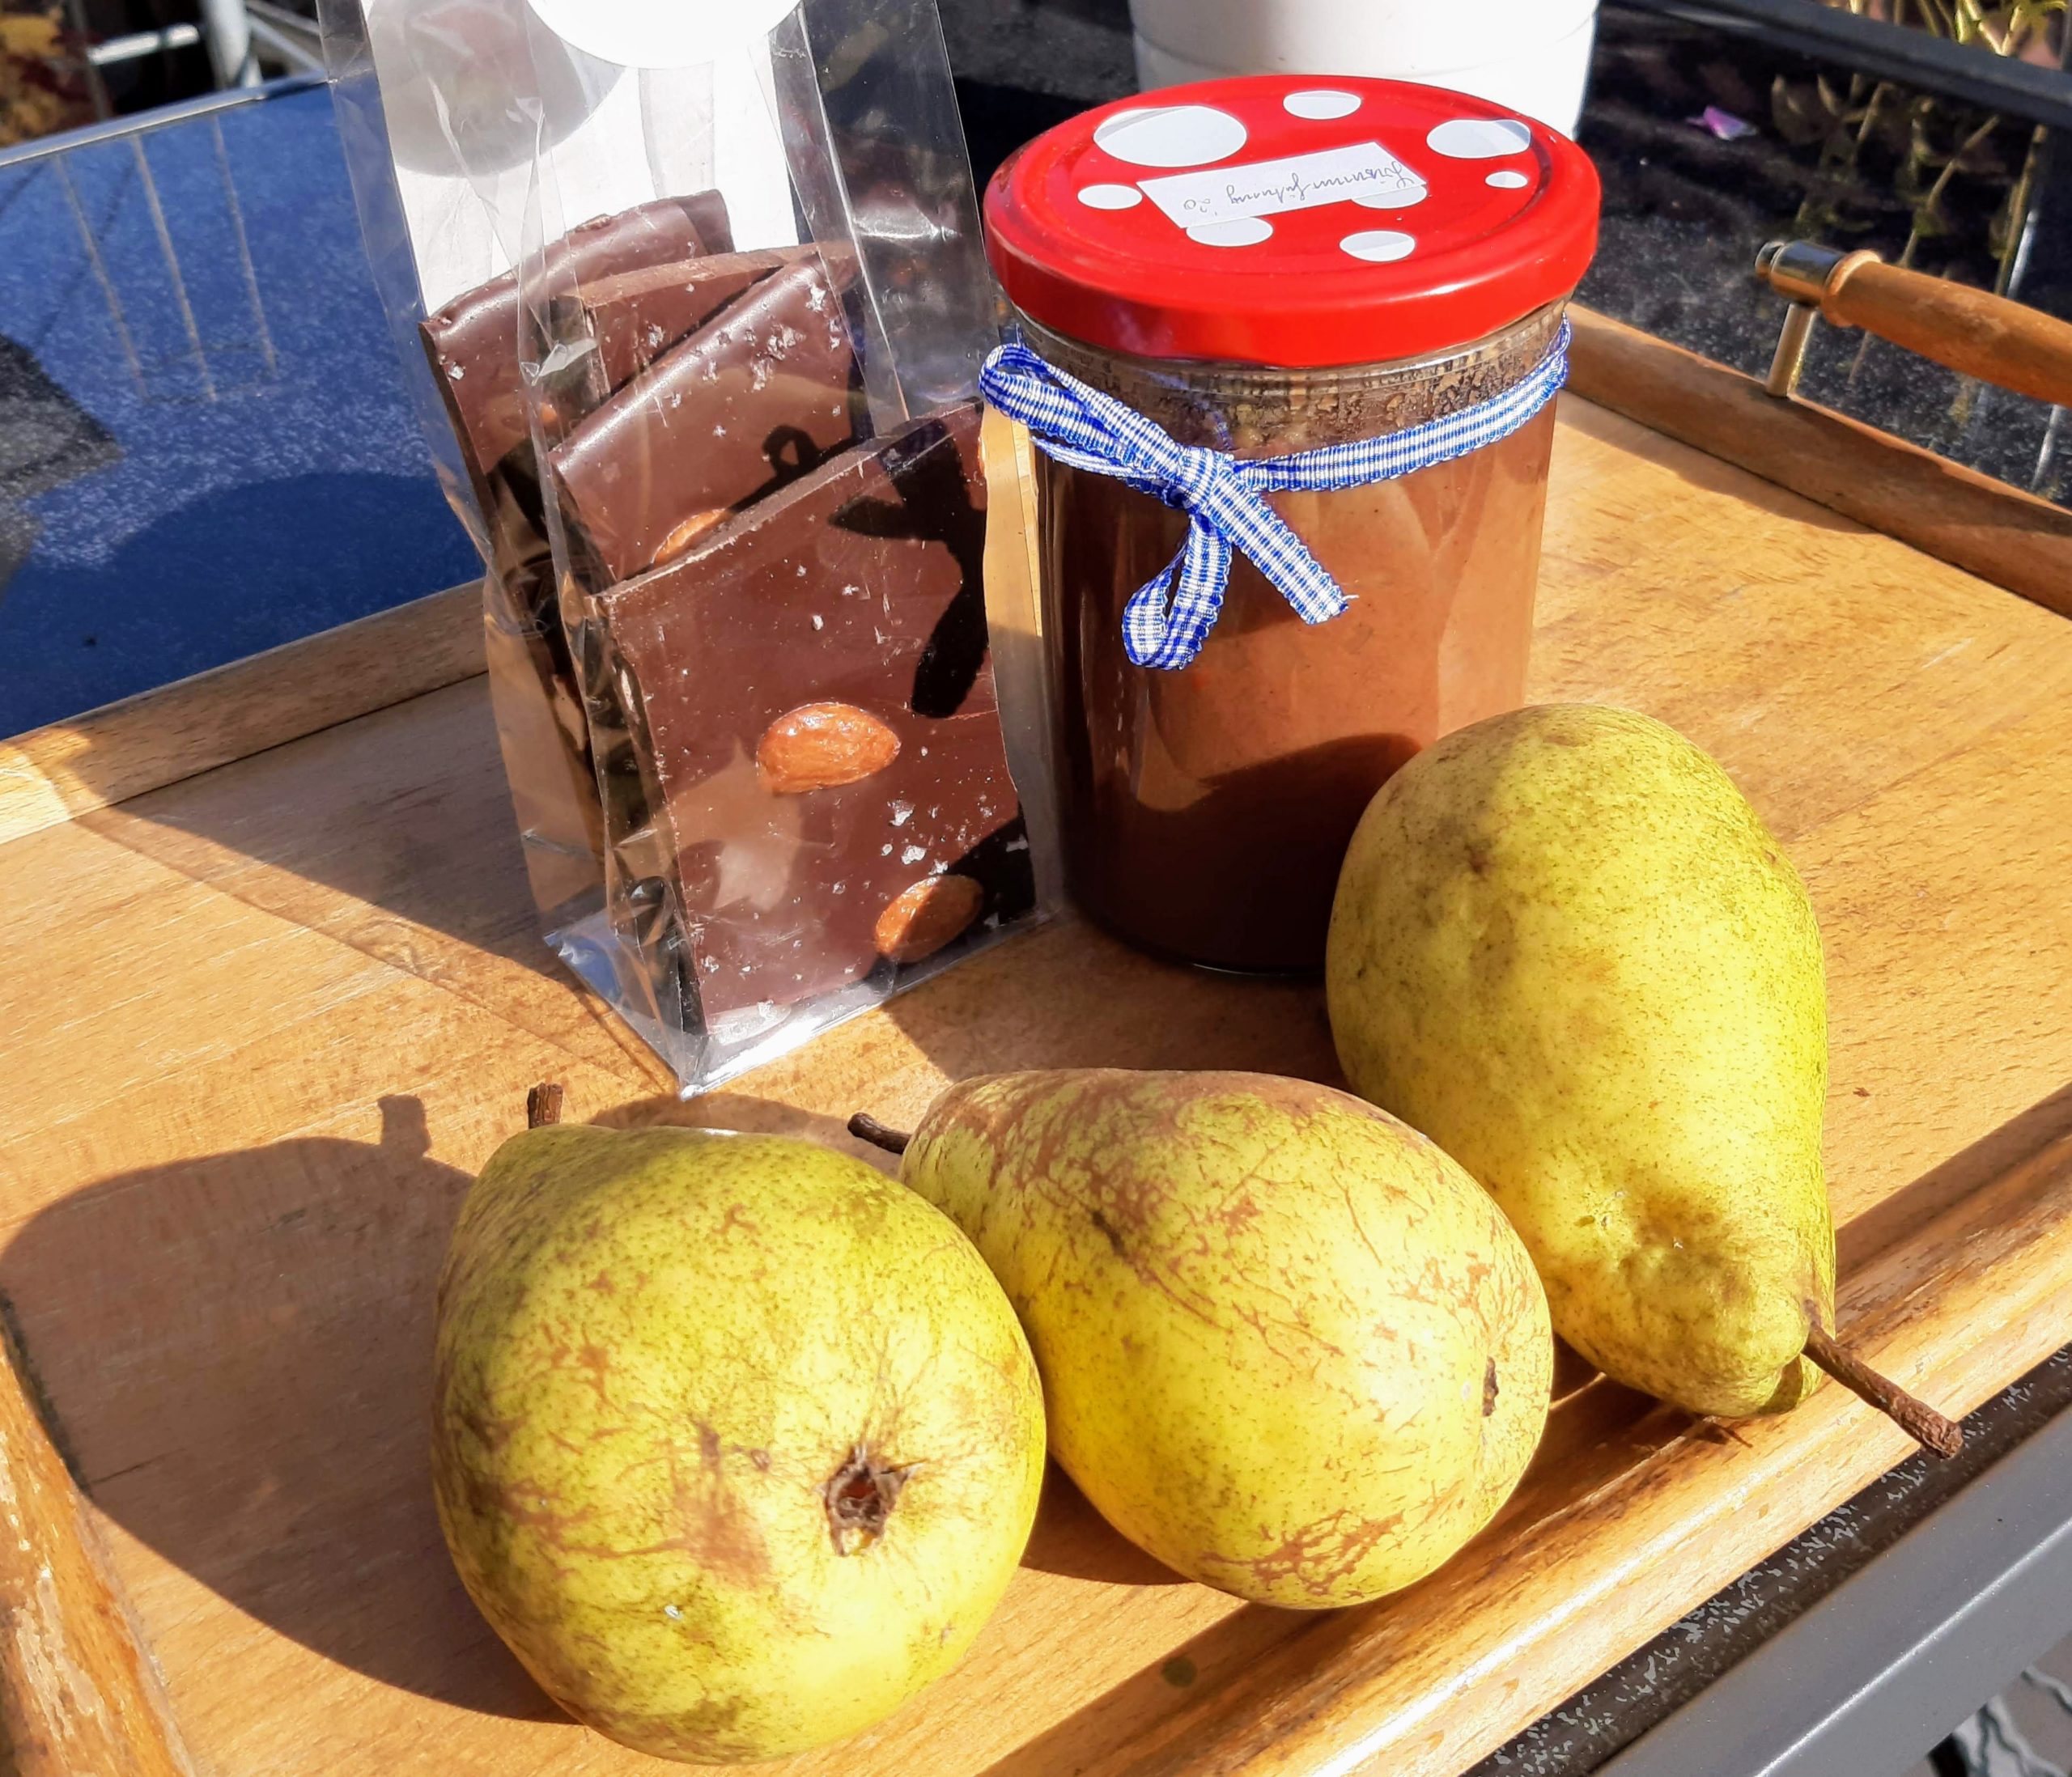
(41, 86)
(1928, 148)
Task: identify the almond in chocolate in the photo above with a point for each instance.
(919, 920)
(859, 586)
(819, 745)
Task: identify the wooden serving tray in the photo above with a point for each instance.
(261, 1023)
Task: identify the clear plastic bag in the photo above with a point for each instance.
(703, 344)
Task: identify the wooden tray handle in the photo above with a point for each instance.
(78, 1692)
(1972, 331)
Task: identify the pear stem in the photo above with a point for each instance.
(543, 1105)
(867, 1128)
(1920, 1421)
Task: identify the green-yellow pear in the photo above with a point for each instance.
(1564, 947)
(736, 1444)
(1288, 1347)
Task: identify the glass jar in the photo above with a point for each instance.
(1204, 811)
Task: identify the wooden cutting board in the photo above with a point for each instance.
(258, 1026)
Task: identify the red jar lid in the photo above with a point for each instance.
(1280, 219)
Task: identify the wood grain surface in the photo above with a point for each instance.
(1971, 330)
(261, 1025)
(147, 742)
(78, 1693)
(1970, 521)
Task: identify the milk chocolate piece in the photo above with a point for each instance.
(637, 316)
(472, 342)
(708, 211)
(754, 399)
(472, 347)
(858, 586)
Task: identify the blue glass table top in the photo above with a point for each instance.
(206, 447)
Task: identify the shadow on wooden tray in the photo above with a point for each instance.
(408, 853)
(236, 1351)
(1607, 423)
(1599, 1432)
(334, 831)
(411, 856)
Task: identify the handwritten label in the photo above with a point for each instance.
(1268, 187)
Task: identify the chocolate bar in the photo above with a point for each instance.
(816, 700)
(757, 396)
(637, 316)
(472, 345)
(472, 342)
(708, 211)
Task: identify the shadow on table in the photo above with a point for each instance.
(237, 1350)
(339, 828)
(1597, 1431)
(1587, 415)
(1084, 999)
(409, 854)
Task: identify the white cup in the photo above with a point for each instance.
(1531, 57)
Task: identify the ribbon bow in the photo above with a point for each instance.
(1168, 617)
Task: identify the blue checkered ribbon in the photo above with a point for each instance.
(1168, 617)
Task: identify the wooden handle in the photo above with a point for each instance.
(78, 1692)
(1986, 527)
(1972, 331)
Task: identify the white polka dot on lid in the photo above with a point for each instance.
(1110, 196)
(1379, 245)
(1320, 103)
(1507, 180)
(1479, 138)
(1239, 232)
(1170, 135)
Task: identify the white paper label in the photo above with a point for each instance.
(1267, 188)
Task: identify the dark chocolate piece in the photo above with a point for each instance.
(818, 706)
(637, 316)
(472, 342)
(754, 399)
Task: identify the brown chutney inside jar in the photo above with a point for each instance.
(1264, 265)
(1205, 811)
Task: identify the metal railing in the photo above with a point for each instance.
(114, 129)
(1892, 52)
